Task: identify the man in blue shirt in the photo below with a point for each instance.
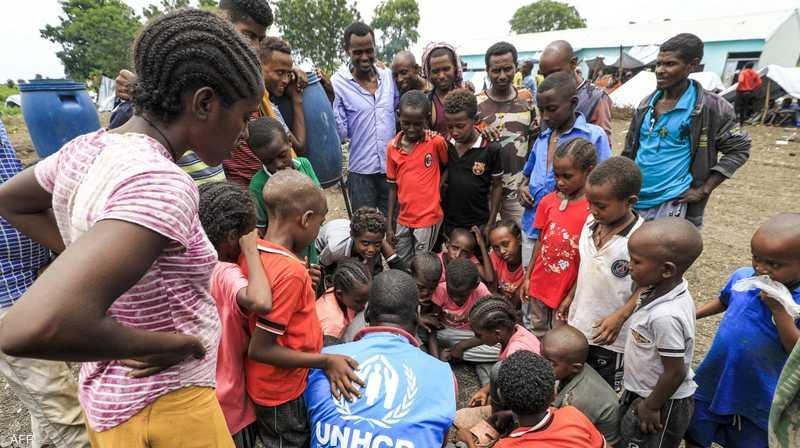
(46, 388)
(366, 98)
(409, 400)
(677, 134)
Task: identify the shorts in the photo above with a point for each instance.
(675, 417)
(285, 425)
(542, 318)
(671, 208)
(188, 417)
(608, 364)
(412, 241)
(730, 431)
(246, 438)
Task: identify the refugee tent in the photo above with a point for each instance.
(784, 79)
(107, 94)
(628, 62)
(630, 94)
(646, 54)
(14, 101)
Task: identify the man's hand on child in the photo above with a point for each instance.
(649, 419)
(524, 196)
(152, 364)
(607, 330)
(341, 373)
(491, 133)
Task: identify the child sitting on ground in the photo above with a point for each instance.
(578, 383)
(604, 299)
(737, 379)
(414, 161)
(559, 218)
(226, 213)
(426, 268)
(347, 297)
(527, 385)
(506, 261)
(269, 142)
(656, 406)
(494, 321)
(461, 243)
(286, 342)
(455, 298)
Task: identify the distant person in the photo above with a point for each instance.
(746, 88)
(685, 140)
(409, 398)
(366, 99)
(406, 73)
(528, 80)
(593, 102)
(440, 65)
(512, 113)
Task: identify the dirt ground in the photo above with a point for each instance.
(768, 184)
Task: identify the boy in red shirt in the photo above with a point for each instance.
(286, 342)
(559, 218)
(526, 383)
(413, 169)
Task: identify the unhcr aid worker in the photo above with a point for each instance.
(409, 400)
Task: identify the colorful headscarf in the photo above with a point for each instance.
(426, 61)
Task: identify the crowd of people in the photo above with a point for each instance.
(182, 255)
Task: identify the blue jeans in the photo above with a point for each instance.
(368, 190)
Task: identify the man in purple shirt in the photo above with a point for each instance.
(366, 98)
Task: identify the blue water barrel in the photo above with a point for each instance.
(322, 140)
(56, 111)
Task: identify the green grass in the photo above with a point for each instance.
(9, 111)
(5, 92)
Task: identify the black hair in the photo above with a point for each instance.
(582, 151)
(749, 65)
(460, 231)
(367, 219)
(493, 312)
(442, 51)
(241, 10)
(461, 100)
(526, 383)
(427, 265)
(350, 272)
(511, 225)
(188, 49)
(415, 99)
(359, 29)
(687, 46)
(393, 297)
(461, 274)
(272, 43)
(499, 49)
(263, 131)
(562, 82)
(225, 208)
(621, 173)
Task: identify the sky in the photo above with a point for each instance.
(24, 53)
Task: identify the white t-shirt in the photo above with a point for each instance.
(604, 282)
(663, 327)
(334, 242)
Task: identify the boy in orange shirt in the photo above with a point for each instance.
(413, 169)
(286, 342)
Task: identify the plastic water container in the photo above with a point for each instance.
(56, 111)
(322, 140)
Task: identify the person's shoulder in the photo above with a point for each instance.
(549, 199)
(259, 179)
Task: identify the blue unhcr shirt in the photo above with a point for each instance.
(20, 257)
(542, 180)
(740, 372)
(665, 151)
(409, 400)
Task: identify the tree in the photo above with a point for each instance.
(11, 84)
(546, 15)
(95, 36)
(397, 22)
(315, 28)
(166, 6)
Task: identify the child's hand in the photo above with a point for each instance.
(479, 398)
(341, 373)
(429, 322)
(771, 303)
(249, 241)
(153, 364)
(649, 420)
(315, 272)
(524, 196)
(479, 237)
(390, 236)
(562, 312)
(465, 435)
(457, 352)
(607, 330)
(445, 355)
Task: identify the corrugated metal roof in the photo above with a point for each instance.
(712, 29)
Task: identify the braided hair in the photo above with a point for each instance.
(582, 151)
(492, 312)
(367, 219)
(189, 49)
(225, 208)
(350, 272)
(256, 10)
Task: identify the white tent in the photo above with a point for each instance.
(646, 54)
(787, 78)
(14, 101)
(637, 88)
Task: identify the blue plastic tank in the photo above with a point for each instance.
(56, 111)
(322, 139)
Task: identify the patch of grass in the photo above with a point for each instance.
(6, 91)
(9, 111)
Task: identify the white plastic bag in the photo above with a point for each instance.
(777, 291)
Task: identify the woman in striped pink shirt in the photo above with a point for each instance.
(128, 296)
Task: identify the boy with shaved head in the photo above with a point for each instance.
(657, 404)
(579, 384)
(405, 71)
(737, 379)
